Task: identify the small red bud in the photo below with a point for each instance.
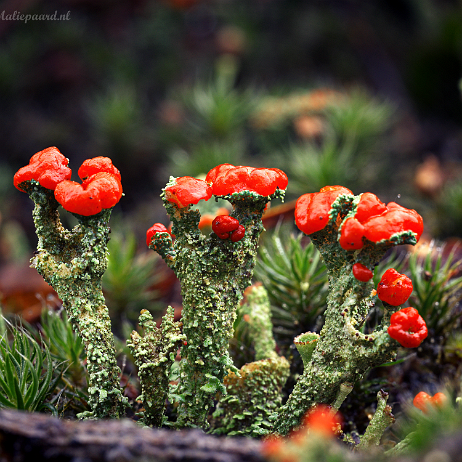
(408, 328)
(394, 288)
(424, 401)
(362, 273)
(153, 230)
(238, 234)
(224, 224)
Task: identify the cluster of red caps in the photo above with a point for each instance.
(223, 180)
(226, 227)
(373, 220)
(406, 325)
(101, 186)
(321, 421)
(425, 402)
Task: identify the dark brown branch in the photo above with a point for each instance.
(36, 437)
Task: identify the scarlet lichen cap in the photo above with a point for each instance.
(188, 190)
(96, 165)
(237, 234)
(312, 210)
(227, 179)
(408, 327)
(48, 167)
(153, 230)
(226, 227)
(362, 273)
(218, 171)
(207, 219)
(394, 288)
(369, 206)
(100, 191)
(424, 401)
(375, 221)
(322, 419)
(396, 219)
(224, 224)
(351, 235)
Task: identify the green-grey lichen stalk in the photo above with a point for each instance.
(154, 354)
(381, 419)
(343, 353)
(73, 263)
(257, 308)
(255, 393)
(213, 274)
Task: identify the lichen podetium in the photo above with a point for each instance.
(73, 263)
(154, 354)
(255, 393)
(343, 353)
(213, 273)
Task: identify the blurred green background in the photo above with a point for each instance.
(363, 94)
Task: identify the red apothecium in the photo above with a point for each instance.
(153, 230)
(100, 191)
(188, 190)
(423, 401)
(48, 167)
(394, 288)
(207, 218)
(369, 206)
(352, 234)
(375, 221)
(408, 327)
(362, 273)
(222, 225)
(226, 227)
(322, 419)
(237, 234)
(227, 179)
(312, 210)
(97, 164)
(396, 219)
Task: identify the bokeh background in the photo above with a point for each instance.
(363, 94)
